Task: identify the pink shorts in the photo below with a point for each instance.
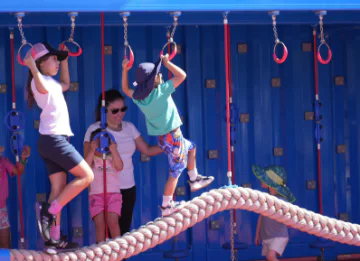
(113, 200)
(4, 219)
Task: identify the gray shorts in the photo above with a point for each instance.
(277, 244)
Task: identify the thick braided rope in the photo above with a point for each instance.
(196, 210)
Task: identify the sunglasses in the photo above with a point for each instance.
(123, 109)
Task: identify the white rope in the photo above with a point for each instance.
(196, 210)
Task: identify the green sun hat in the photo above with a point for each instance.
(275, 177)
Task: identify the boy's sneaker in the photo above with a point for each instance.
(53, 247)
(45, 220)
(174, 206)
(200, 182)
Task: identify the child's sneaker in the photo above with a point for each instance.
(174, 206)
(63, 245)
(45, 219)
(200, 182)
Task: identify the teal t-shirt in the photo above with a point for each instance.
(160, 110)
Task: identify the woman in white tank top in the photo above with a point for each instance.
(128, 139)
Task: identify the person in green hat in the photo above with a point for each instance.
(273, 234)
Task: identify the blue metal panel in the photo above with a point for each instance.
(352, 168)
(276, 120)
(163, 5)
(4, 255)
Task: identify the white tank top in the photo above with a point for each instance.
(54, 118)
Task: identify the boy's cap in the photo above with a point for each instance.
(145, 77)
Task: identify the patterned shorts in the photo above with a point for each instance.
(177, 148)
(4, 220)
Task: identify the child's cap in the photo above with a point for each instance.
(145, 77)
(44, 48)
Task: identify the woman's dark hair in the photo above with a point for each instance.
(110, 96)
(93, 134)
(31, 99)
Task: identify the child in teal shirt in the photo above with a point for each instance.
(153, 96)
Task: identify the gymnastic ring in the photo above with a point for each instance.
(321, 60)
(9, 119)
(19, 59)
(285, 54)
(16, 144)
(78, 53)
(172, 55)
(131, 58)
(107, 135)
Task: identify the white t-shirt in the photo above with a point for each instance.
(112, 177)
(54, 118)
(125, 140)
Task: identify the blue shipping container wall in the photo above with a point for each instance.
(276, 120)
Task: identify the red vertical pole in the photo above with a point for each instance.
(230, 102)
(226, 48)
(12, 52)
(103, 104)
(169, 51)
(316, 79)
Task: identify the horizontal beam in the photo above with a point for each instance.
(187, 18)
(166, 5)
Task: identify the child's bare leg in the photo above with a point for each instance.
(99, 221)
(191, 165)
(191, 159)
(113, 223)
(170, 186)
(58, 183)
(5, 238)
(196, 181)
(271, 255)
(168, 205)
(84, 176)
(169, 190)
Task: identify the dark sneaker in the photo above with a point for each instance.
(174, 206)
(63, 245)
(200, 182)
(45, 220)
